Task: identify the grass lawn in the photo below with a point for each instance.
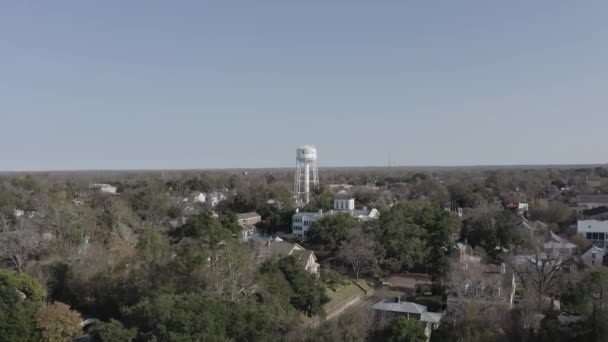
(344, 294)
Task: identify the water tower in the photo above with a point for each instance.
(307, 173)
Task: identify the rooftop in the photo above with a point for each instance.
(249, 215)
(592, 198)
(396, 306)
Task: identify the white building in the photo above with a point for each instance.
(344, 204)
(593, 230)
(592, 255)
(105, 188)
(302, 221)
(213, 199)
(200, 197)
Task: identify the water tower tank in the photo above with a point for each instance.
(306, 153)
(307, 173)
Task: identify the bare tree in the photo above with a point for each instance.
(539, 272)
(19, 247)
(358, 251)
(229, 272)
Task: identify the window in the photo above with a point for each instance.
(598, 239)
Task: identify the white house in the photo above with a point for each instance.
(200, 197)
(592, 255)
(593, 230)
(105, 188)
(302, 221)
(213, 199)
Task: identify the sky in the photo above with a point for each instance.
(238, 84)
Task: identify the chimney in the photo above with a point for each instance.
(297, 210)
(320, 211)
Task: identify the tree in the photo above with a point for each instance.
(112, 331)
(20, 298)
(415, 232)
(58, 323)
(203, 226)
(540, 273)
(463, 195)
(320, 198)
(332, 230)
(306, 295)
(358, 251)
(230, 272)
(19, 247)
(399, 239)
(402, 329)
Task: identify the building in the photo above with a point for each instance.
(557, 246)
(592, 201)
(105, 188)
(598, 213)
(592, 255)
(200, 197)
(248, 222)
(302, 221)
(265, 250)
(390, 309)
(552, 244)
(344, 204)
(593, 230)
(213, 199)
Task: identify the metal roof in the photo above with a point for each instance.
(405, 307)
(433, 317)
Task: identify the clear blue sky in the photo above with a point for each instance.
(197, 84)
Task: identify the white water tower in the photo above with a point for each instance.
(307, 173)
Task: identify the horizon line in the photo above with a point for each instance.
(216, 169)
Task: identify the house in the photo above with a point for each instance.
(598, 213)
(592, 201)
(265, 250)
(592, 255)
(557, 246)
(552, 244)
(104, 188)
(594, 230)
(395, 308)
(521, 208)
(249, 218)
(302, 221)
(200, 197)
(213, 199)
(248, 222)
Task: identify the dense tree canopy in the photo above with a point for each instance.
(332, 230)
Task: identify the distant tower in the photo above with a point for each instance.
(306, 163)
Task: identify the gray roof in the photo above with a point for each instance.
(249, 215)
(303, 256)
(433, 317)
(404, 307)
(267, 249)
(592, 199)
